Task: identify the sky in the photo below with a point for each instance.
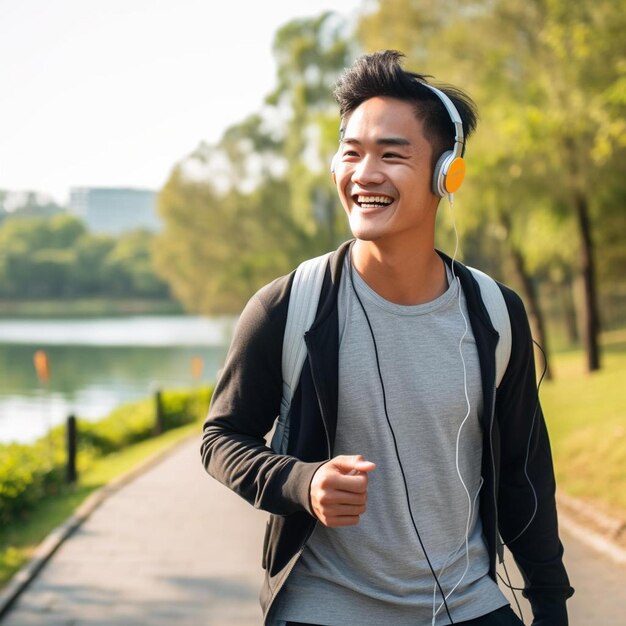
(113, 93)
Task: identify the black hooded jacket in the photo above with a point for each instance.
(516, 449)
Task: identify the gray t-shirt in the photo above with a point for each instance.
(376, 572)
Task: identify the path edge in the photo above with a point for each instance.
(596, 529)
(46, 549)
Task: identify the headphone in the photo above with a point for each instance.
(449, 170)
(333, 163)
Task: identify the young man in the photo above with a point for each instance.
(406, 471)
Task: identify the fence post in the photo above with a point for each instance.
(71, 474)
(159, 418)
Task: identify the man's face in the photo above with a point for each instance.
(384, 170)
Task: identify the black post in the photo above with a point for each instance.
(71, 450)
(159, 419)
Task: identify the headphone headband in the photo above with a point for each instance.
(449, 170)
(459, 136)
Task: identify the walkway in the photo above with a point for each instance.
(174, 547)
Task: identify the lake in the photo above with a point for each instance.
(97, 364)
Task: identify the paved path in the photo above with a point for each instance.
(600, 598)
(160, 551)
(176, 548)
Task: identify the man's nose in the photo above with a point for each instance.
(368, 172)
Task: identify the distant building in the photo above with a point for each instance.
(113, 210)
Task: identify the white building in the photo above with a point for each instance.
(113, 210)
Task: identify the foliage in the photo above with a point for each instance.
(310, 54)
(548, 160)
(242, 212)
(19, 204)
(55, 257)
(29, 473)
(216, 249)
(549, 78)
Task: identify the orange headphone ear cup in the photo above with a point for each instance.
(454, 174)
(448, 174)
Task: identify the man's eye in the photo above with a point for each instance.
(392, 155)
(350, 153)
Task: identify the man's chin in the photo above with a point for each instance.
(363, 232)
(363, 236)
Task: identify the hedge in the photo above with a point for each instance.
(31, 472)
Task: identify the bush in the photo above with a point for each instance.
(181, 407)
(126, 425)
(29, 473)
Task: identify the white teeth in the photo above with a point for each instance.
(374, 200)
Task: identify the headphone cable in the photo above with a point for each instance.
(395, 443)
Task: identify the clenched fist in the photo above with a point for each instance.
(339, 490)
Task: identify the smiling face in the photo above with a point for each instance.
(383, 173)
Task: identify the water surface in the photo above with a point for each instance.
(97, 364)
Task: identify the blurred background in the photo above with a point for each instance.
(161, 161)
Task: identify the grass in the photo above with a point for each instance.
(18, 542)
(87, 307)
(586, 417)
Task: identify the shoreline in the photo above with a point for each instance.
(88, 307)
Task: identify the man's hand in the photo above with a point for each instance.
(339, 490)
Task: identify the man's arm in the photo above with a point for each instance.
(526, 502)
(244, 406)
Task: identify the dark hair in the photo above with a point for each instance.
(381, 74)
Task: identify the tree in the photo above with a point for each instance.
(57, 258)
(310, 54)
(88, 274)
(26, 204)
(36, 256)
(549, 76)
(127, 267)
(241, 212)
(218, 248)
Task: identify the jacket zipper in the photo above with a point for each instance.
(308, 535)
(319, 401)
(499, 550)
(288, 571)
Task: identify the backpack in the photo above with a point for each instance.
(303, 301)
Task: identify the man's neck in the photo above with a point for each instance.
(407, 276)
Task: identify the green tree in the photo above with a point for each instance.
(310, 53)
(36, 256)
(549, 78)
(57, 258)
(17, 205)
(218, 248)
(241, 212)
(88, 273)
(128, 267)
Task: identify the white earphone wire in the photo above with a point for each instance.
(465, 418)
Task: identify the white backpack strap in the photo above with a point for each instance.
(303, 301)
(499, 314)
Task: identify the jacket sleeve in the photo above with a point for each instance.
(243, 409)
(526, 495)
